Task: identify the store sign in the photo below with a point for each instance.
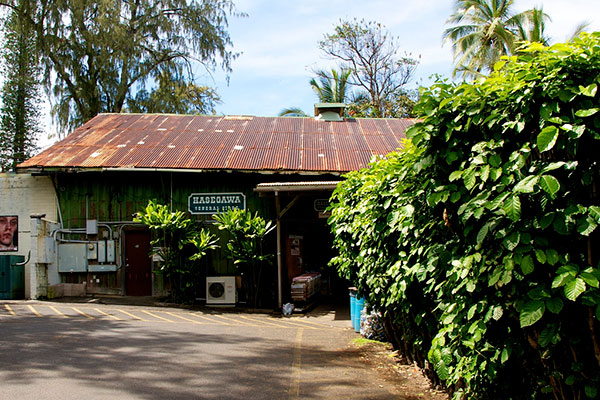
(214, 203)
(321, 205)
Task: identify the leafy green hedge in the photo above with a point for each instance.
(478, 240)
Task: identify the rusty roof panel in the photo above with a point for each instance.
(293, 160)
(118, 156)
(312, 160)
(347, 159)
(81, 154)
(312, 141)
(340, 128)
(368, 127)
(231, 142)
(376, 144)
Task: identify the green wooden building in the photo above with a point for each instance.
(283, 168)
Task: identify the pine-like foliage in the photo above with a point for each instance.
(20, 112)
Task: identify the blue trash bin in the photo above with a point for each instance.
(352, 294)
(359, 303)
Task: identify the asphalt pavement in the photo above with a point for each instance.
(135, 348)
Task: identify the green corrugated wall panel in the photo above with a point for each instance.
(113, 196)
(116, 196)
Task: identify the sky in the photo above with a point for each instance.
(278, 45)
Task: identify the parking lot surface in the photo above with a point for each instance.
(59, 350)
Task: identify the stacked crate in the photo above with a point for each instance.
(306, 286)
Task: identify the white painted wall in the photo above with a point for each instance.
(24, 195)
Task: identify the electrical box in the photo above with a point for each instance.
(110, 251)
(72, 257)
(92, 251)
(102, 268)
(46, 250)
(102, 251)
(91, 227)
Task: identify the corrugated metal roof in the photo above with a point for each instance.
(223, 143)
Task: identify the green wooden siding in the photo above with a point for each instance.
(116, 196)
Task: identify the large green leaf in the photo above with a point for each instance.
(470, 178)
(554, 305)
(527, 184)
(588, 112)
(547, 138)
(512, 207)
(482, 233)
(549, 184)
(532, 312)
(591, 391)
(589, 90)
(527, 265)
(574, 289)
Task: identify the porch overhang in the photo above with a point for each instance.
(297, 189)
(274, 187)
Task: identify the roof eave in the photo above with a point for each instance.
(47, 170)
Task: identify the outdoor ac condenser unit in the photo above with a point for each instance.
(221, 290)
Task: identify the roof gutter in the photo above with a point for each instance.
(296, 186)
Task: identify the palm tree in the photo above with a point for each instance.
(330, 88)
(483, 31)
(581, 27)
(534, 28)
(292, 112)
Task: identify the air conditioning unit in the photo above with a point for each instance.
(221, 290)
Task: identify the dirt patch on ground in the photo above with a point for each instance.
(407, 381)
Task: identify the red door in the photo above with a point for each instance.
(138, 265)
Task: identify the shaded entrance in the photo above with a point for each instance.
(304, 241)
(138, 266)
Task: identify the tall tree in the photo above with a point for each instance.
(174, 96)
(483, 31)
(20, 112)
(370, 53)
(94, 52)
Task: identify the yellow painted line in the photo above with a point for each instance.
(296, 366)
(133, 316)
(10, 310)
(210, 319)
(263, 322)
(33, 310)
(237, 321)
(157, 316)
(82, 313)
(184, 318)
(58, 312)
(108, 315)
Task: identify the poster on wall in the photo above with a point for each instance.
(9, 233)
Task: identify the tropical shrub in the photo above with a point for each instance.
(478, 241)
(247, 232)
(174, 235)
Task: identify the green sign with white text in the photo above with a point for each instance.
(214, 203)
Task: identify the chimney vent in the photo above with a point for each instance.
(329, 111)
